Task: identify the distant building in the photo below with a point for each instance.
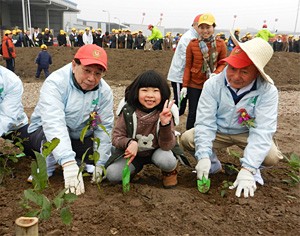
(42, 13)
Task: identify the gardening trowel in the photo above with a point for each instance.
(126, 177)
(203, 184)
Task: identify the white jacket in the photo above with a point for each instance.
(178, 62)
(217, 113)
(87, 38)
(12, 115)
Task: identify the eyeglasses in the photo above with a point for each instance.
(96, 74)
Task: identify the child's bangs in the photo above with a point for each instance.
(150, 80)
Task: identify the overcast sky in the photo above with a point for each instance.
(180, 13)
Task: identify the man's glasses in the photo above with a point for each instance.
(96, 74)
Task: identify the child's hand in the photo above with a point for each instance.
(131, 151)
(166, 115)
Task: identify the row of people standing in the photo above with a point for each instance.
(119, 39)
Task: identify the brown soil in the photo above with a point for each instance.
(148, 209)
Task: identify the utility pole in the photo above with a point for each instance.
(297, 17)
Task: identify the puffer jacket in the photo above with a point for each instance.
(193, 77)
(8, 48)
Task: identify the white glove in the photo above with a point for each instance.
(212, 75)
(142, 44)
(183, 92)
(244, 181)
(72, 183)
(97, 175)
(203, 168)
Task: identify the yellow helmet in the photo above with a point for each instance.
(207, 18)
(14, 32)
(62, 31)
(73, 29)
(6, 32)
(43, 46)
(87, 28)
(99, 29)
(46, 29)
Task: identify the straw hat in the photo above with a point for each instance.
(259, 51)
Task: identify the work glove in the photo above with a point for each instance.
(183, 92)
(203, 168)
(73, 180)
(97, 174)
(244, 181)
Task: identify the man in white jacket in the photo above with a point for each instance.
(238, 107)
(13, 119)
(176, 70)
(71, 98)
(87, 37)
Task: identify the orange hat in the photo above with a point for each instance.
(196, 20)
(238, 58)
(92, 54)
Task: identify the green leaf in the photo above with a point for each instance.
(33, 196)
(84, 154)
(83, 132)
(58, 202)
(103, 128)
(66, 216)
(234, 153)
(70, 197)
(39, 172)
(95, 157)
(104, 170)
(96, 140)
(48, 147)
(32, 213)
(20, 155)
(46, 208)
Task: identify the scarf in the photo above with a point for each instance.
(210, 57)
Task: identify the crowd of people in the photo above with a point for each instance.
(231, 101)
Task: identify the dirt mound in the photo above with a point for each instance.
(148, 209)
(125, 65)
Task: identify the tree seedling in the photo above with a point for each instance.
(35, 201)
(11, 151)
(225, 186)
(294, 166)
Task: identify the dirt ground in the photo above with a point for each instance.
(148, 209)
